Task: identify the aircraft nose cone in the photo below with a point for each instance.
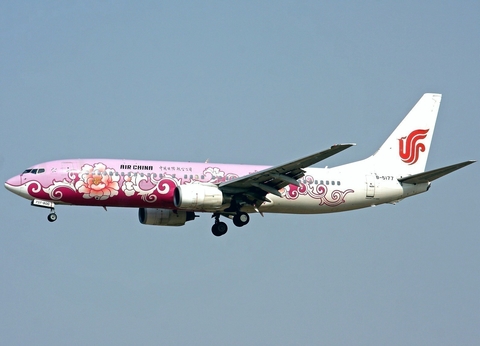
(13, 184)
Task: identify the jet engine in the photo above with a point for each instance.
(200, 197)
(164, 217)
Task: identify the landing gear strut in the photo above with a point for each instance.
(46, 204)
(219, 228)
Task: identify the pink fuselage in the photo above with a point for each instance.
(122, 183)
(151, 184)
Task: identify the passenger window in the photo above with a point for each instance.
(185, 176)
(338, 183)
(321, 182)
(327, 182)
(333, 183)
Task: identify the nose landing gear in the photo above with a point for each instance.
(46, 204)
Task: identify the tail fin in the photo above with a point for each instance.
(406, 150)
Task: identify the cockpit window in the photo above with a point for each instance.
(34, 170)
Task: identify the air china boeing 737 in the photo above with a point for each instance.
(170, 193)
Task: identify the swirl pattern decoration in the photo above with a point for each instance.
(316, 191)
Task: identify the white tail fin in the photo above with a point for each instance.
(406, 150)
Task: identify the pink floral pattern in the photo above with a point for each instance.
(129, 184)
(216, 176)
(97, 182)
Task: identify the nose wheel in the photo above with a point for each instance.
(52, 217)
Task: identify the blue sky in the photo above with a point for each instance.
(238, 82)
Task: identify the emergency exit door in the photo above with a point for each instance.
(370, 183)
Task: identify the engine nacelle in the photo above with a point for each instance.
(198, 197)
(164, 217)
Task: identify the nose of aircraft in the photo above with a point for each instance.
(13, 184)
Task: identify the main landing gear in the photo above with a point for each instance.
(220, 228)
(241, 219)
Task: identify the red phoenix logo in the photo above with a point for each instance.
(410, 149)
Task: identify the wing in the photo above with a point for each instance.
(254, 187)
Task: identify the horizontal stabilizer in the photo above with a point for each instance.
(429, 176)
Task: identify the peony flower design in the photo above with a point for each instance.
(129, 185)
(97, 182)
(152, 187)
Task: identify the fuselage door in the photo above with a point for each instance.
(370, 185)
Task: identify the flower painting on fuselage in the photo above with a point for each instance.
(98, 184)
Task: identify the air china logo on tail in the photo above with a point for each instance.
(410, 148)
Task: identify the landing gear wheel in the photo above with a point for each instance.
(52, 217)
(219, 229)
(241, 219)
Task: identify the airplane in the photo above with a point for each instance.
(171, 193)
